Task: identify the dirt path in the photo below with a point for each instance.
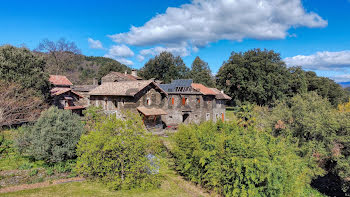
(39, 185)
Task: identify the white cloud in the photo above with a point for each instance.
(120, 51)
(125, 61)
(140, 58)
(341, 78)
(321, 60)
(95, 44)
(202, 22)
(177, 51)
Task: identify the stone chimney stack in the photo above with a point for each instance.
(126, 72)
(94, 81)
(134, 72)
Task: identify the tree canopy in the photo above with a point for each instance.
(165, 67)
(262, 77)
(201, 73)
(21, 66)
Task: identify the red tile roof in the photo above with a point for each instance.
(75, 107)
(60, 80)
(57, 91)
(201, 88)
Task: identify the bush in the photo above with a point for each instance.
(53, 138)
(238, 161)
(115, 151)
(320, 131)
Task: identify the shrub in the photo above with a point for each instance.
(319, 130)
(238, 161)
(115, 151)
(53, 138)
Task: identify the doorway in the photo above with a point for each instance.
(185, 117)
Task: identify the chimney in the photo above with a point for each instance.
(222, 91)
(134, 72)
(94, 81)
(126, 72)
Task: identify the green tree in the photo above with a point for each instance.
(53, 138)
(238, 161)
(165, 67)
(115, 151)
(21, 66)
(326, 87)
(320, 131)
(257, 76)
(201, 73)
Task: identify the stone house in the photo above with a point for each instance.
(181, 101)
(192, 102)
(63, 96)
(143, 96)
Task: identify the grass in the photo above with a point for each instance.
(230, 115)
(173, 185)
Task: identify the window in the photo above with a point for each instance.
(207, 117)
(184, 101)
(116, 103)
(148, 101)
(106, 104)
(198, 100)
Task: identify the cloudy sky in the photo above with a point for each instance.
(313, 34)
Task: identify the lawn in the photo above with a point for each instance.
(173, 185)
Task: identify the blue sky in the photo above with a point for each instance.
(310, 33)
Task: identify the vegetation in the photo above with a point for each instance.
(118, 152)
(18, 105)
(201, 73)
(53, 138)
(21, 66)
(108, 67)
(238, 161)
(165, 67)
(261, 77)
(320, 132)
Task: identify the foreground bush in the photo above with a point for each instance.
(238, 161)
(119, 153)
(53, 138)
(319, 130)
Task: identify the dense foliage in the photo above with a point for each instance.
(21, 66)
(165, 67)
(201, 73)
(118, 153)
(318, 129)
(261, 77)
(238, 161)
(53, 138)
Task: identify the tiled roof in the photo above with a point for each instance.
(60, 80)
(58, 91)
(75, 107)
(151, 111)
(204, 90)
(84, 88)
(123, 88)
(220, 95)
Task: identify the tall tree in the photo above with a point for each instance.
(258, 76)
(20, 65)
(60, 56)
(201, 73)
(165, 67)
